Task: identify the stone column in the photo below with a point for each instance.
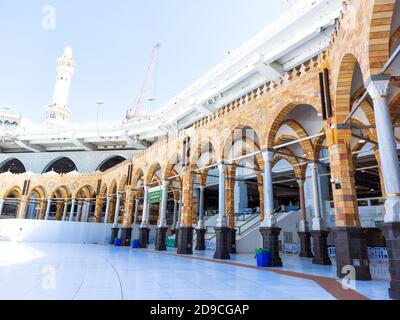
(144, 229)
(304, 234)
(319, 236)
(178, 222)
(230, 207)
(222, 230)
(71, 214)
(378, 89)
(64, 217)
(174, 220)
(136, 210)
(106, 214)
(162, 227)
(22, 208)
(78, 211)
(350, 238)
(185, 233)
(1, 205)
(98, 210)
(126, 230)
(115, 228)
(269, 231)
(47, 214)
(201, 228)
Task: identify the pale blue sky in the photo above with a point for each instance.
(112, 42)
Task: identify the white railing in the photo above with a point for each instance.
(291, 248)
(374, 253)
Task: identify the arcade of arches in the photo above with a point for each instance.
(274, 144)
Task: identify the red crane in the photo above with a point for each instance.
(142, 92)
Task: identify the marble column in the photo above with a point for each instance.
(221, 229)
(115, 227)
(71, 214)
(144, 229)
(107, 213)
(176, 202)
(178, 222)
(269, 231)
(64, 217)
(319, 236)
(304, 232)
(201, 228)
(136, 211)
(162, 226)
(378, 89)
(78, 211)
(47, 214)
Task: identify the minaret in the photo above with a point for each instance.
(57, 113)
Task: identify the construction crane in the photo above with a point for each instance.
(133, 114)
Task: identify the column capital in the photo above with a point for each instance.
(202, 187)
(300, 182)
(222, 167)
(165, 183)
(146, 188)
(314, 165)
(267, 155)
(378, 86)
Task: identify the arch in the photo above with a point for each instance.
(63, 191)
(112, 189)
(61, 165)
(12, 165)
(280, 119)
(151, 173)
(379, 38)
(395, 108)
(242, 140)
(13, 192)
(344, 87)
(122, 183)
(301, 134)
(172, 162)
(137, 177)
(110, 163)
(86, 192)
(394, 40)
(39, 191)
(12, 203)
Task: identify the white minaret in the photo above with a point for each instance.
(57, 113)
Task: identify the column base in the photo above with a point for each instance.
(271, 242)
(320, 247)
(232, 241)
(391, 232)
(351, 250)
(200, 240)
(160, 239)
(176, 238)
(126, 237)
(223, 243)
(185, 240)
(305, 245)
(144, 237)
(114, 235)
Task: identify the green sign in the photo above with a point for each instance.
(155, 195)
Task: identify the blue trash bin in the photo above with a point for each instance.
(135, 244)
(118, 242)
(263, 258)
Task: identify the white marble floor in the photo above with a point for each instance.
(91, 272)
